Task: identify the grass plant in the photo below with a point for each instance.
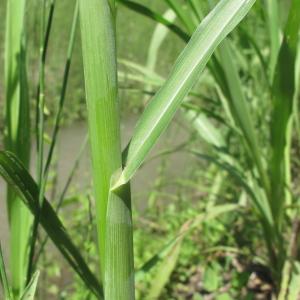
(228, 120)
(271, 182)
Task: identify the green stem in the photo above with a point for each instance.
(114, 226)
(17, 136)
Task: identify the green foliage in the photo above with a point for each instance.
(237, 97)
(18, 177)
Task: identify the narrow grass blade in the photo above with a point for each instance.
(40, 126)
(58, 115)
(30, 290)
(143, 73)
(205, 128)
(62, 196)
(141, 9)
(245, 35)
(182, 15)
(290, 270)
(241, 113)
(163, 253)
(261, 205)
(166, 269)
(159, 35)
(3, 277)
(200, 122)
(44, 171)
(158, 114)
(44, 49)
(197, 9)
(272, 16)
(281, 125)
(258, 198)
(297, 92)
(12, 170)
(294, 286)
(213, 65)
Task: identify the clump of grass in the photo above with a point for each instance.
(112, 169)
(267, 175)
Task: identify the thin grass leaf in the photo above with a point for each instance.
(12, 170)
(259, 200)
(197, 9)
(58, 115)
(240, 111)
(290, 270)
(40, 127)
(294, 286)
(213, 65)
(214, 212)
(159, 35)
(205, 128)
(182, 15)
(139, 8)
(272, 16)
(281, 125)
(165, 270)
(262, 206)
(44, 48)
(44, 171)
(251, 40)
(3, 277)
(146, 72)
(62, 196)
(30, 290)
(158, 114)
(297, 92)
(200, 122)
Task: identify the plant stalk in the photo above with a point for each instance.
(17, 136)
(114, 225)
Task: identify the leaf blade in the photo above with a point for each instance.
(160, 111)
(12, 170)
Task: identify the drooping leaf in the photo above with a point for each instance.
(154, 16)
(12, 170)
